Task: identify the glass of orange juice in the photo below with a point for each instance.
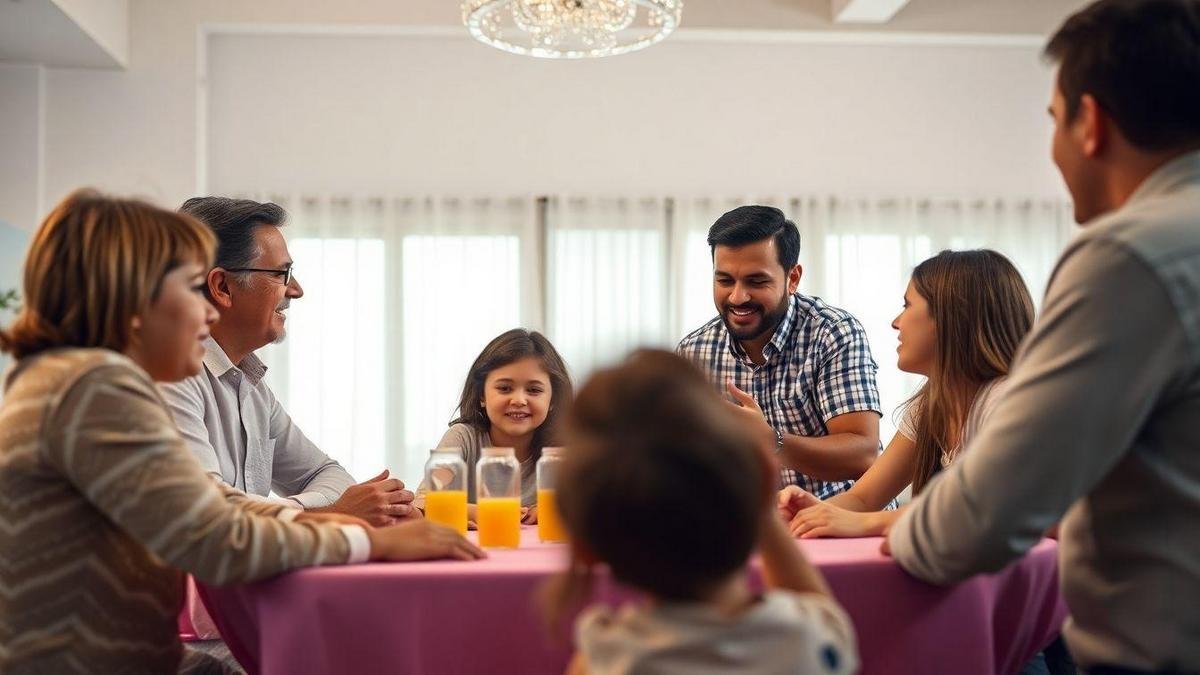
(550, 525)
(446, 488)
(498, 487)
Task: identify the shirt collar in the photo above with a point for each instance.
(778, 340)
(219, 364)
(1166, 178)
(784, 330)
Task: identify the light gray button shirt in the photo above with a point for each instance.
(242, 436)
(1101, 422)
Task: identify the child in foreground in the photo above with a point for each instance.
(660, 485)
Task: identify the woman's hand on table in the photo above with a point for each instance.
(826, 520)
(420, 540)
(794, 499)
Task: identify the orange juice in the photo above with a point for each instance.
(550, 525)
(447, 507)
(499, 520)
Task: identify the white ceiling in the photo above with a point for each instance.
(66, 33)
(40, 31)
(1014, 17)
(1023, 17)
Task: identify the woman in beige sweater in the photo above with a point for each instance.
(101, 504)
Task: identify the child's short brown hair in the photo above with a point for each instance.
(659, 481)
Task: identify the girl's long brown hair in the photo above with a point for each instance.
(510, 347)
(982, 311)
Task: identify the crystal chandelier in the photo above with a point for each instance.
(571, 29)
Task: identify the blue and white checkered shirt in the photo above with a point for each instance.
(818, 366)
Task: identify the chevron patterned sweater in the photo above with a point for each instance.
(101, 505)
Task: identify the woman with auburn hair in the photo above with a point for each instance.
(102, 504)
(965, 314)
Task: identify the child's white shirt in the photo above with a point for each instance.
(784, 632)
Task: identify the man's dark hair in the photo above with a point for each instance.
(1140, 60)
(234, 221)
(750, 224)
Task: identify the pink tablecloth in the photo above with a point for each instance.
(478, 617)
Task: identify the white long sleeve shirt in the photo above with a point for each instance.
(243, 437)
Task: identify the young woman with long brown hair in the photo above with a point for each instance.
(965, 314)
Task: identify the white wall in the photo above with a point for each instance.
(20, 175)
(434, 114)
(21, 88)
(20, 172)
(134, 131)
(106, 21)
(442, 114)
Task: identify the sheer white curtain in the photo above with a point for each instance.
(401, 294)
(607, 278)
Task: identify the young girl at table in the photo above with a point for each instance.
(965, 314)
(661, 486)
(516, 391)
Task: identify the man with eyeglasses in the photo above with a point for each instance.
(227, 414)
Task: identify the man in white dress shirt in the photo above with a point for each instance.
(228, 415)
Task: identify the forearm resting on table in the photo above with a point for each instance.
(784, 565)
(839, 456)
(879, 522)
(849, 501)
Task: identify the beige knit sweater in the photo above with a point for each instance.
(101, 505)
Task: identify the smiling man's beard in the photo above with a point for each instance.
(768, 322)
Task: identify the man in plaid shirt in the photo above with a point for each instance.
(799, 372)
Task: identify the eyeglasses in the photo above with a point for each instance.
(285, 273)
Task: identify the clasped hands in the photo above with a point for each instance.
(808, 517)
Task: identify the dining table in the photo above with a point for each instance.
(483, 616)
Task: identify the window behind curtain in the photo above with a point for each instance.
(459, 292)
(329, 379)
